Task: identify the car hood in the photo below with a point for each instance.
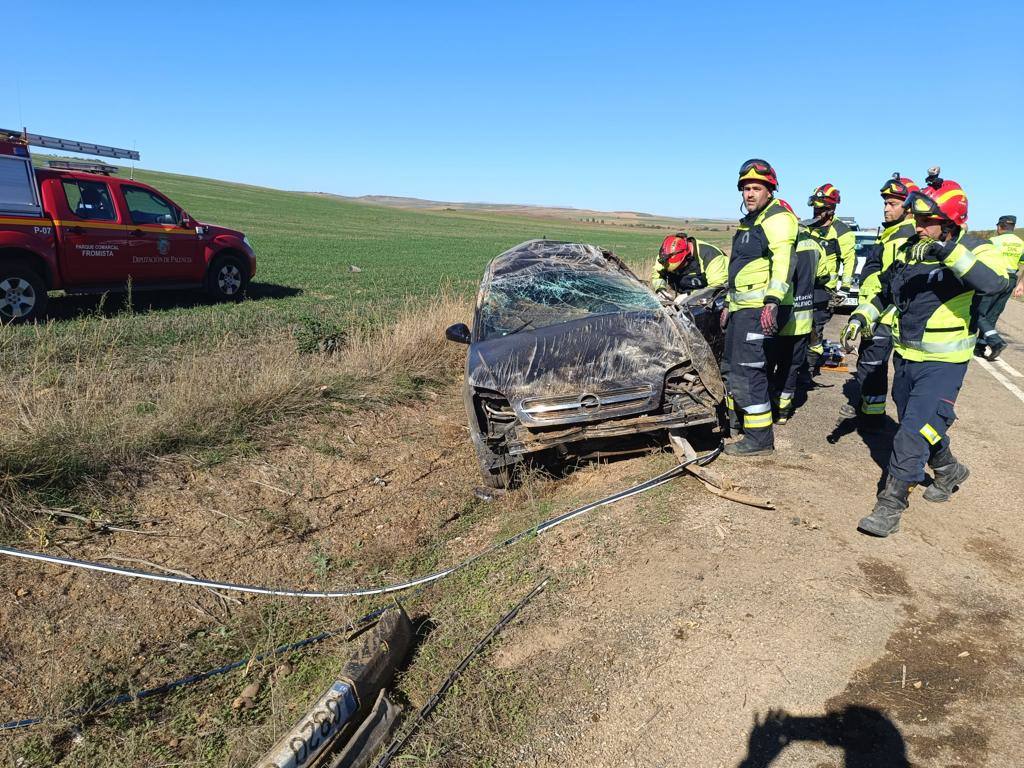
(591, 354)
(215, 231)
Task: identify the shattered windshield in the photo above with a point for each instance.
(548, 294)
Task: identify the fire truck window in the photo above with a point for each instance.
(89, 200)
(16, 192)
(147, 208)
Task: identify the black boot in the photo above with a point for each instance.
(949, 475)
(885, 517)
(747, 447)
(783, 415)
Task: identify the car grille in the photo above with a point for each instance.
(588, 403)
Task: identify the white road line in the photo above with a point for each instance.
(1009, 368)
(1013, 388)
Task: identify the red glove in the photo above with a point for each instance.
(723, 319)
(770, 319)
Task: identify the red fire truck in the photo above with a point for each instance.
(76, 227)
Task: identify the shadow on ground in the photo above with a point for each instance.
(867, 737)
(113, 304)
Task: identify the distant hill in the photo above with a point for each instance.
(630, 219)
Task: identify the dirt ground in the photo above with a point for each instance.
(680, 630)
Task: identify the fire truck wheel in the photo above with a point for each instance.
(227, 280)
(22, 293)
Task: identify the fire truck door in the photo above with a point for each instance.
(159, 248)
(92, 237)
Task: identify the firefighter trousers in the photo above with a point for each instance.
(873, 370)
(925, 395)
(816, 343)
(746, 365)
(786, 356)
(989, 307)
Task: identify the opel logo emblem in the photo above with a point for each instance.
(589, 402)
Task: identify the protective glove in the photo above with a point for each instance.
(723, 319)
(851, 333)
(924, 248)
(658, 284)
(692, 282)
(770, 319)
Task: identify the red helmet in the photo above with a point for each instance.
(675, 250)
(940, 199)
(898, 186)
(825, 196)
(758, 170)
(786, 205)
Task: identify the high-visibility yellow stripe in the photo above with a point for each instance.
(26, 222)
(123, 228)
(757, 420)
(929, 433)
(157, 228)
(91, 224)
(949, 195)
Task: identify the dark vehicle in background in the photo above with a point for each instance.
(568, 345)
(865, 241)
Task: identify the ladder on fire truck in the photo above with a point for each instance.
(68, 145)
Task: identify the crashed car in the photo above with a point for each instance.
(568, 345)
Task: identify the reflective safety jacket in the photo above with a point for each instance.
(890, 240)
(710, 263)
(1012, 248)
(933, 297)
(761, 258)
(809, 266)
(840, 249)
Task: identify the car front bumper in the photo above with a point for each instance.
(525, 440)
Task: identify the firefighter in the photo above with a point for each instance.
(687, 264)
(872, 375)
(838, 240)
(788, 351)
(759, 267)
(931, 283)
(990, 307)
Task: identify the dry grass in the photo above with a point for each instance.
(77, 405)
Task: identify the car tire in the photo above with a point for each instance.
(499, 478)
(227, 278)
(22, 293)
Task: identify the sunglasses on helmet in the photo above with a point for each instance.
(921, 205)
(895, 187)
(758, 166)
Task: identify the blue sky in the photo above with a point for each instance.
(613, 106)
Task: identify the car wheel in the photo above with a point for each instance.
(499, 478)
(22, 294)
(227, 279)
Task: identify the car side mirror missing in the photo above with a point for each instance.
(458, 333)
